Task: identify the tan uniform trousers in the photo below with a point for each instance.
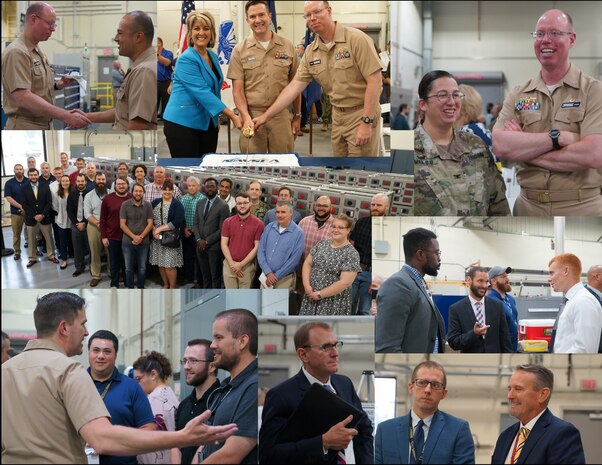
(20, 122)
(231, 281)
(582, 202)
(17, 222)
(275, 136)
(97, 249)
(288, 282)
(46, 231)
(345, 122)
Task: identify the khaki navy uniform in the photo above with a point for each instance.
(576, 106)
(137, 96)
(265, 74)
(456, 180)
(342, 71)
(24, 66)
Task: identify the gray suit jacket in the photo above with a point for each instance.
(407, 320)
(210, 229)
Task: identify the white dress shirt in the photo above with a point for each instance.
(580, 323)
(530, 427)
(425, 428)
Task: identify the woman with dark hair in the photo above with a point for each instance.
(168, 214)
(454, 172)
(152, 372)
(191, 123)
(329, 271)
(59, 205)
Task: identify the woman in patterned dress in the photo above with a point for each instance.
(328, 272)
(167, 258)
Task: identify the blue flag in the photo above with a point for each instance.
(313, 91)
(272, 7)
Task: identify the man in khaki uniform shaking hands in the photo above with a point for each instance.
(260, 68)
(28, 80)
(552, 126)
(344, 62)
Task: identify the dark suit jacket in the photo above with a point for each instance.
(407, 320)
(72, 201)
(551, 440)
(461, 320)
(210, 229)
(280, 403)
(32, 206)
(175, 215)
(449, 440)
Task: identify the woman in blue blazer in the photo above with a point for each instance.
(191, 117)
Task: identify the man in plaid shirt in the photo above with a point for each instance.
(190, 270)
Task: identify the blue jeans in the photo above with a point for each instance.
(360, 290)
(65, 246)
(115, 261)
(138, 253)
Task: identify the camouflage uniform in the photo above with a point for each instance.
(260, 210)
(458, 180)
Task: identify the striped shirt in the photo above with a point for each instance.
(189, 203)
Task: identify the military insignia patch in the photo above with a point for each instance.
(528, 103)
(342, 53)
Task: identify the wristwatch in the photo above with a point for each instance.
(554, 135)
(367, 120)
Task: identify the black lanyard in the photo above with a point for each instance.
(413, 446)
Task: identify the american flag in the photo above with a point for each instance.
(187, 7)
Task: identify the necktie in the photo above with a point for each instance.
(207, 207)
(418, 442)
(340, 453)
(560, 309)
(522, 437)
(479, 313)
(35, 190)
(80, 207)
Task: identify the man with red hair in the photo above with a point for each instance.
(579, 322)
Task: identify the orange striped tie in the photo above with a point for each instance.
(522, 437)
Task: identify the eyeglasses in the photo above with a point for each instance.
(50, 24)
(192, 361)
(551, 34)
(445, 96)
(313, 13)
(326, 347)
(423, 383)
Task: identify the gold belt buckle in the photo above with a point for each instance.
(543, 197)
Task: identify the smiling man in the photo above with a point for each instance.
(136, 101)
(477, 323)
(235, 350)
(540, 437)
(552, 127)
(318, 349)
(579, 322)
(260, 68)
(408, 320)
(437, 437)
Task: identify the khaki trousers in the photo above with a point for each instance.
(231, 281)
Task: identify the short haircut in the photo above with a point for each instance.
(159, 39)
(210, 179)
(474, 269)
(36, 8)
(343, 217)
(206, 19)
(31, 170)
(167, 184)
(430, 364)
(4, 338)
(384, 196)
(570, 260)
(137, 184)
(284, 188)
(244, 195)
(301, 337)
(255, 181)
(121, 178)
(402, 107)
(251, 3)
(228, 180)
(154, 361)
(44, 163)
(139, 166)
(426, 84)
(544, 378)
(79, 159)
(282, 203)
(104, 334)
(205, 343)
(82, 175)
(194, 179)
(18, 164)
(143, 23)
(53, 308)
(472, 105)
(99, 173)
(122, 163)
(415, 240)
(240, 321)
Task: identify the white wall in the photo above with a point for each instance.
(462, 247)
